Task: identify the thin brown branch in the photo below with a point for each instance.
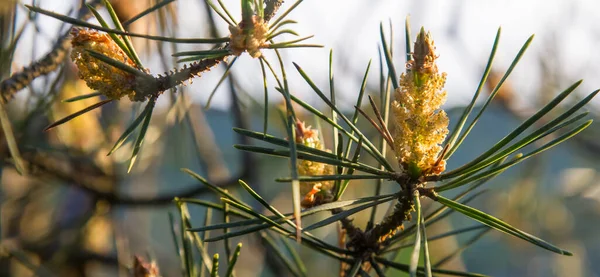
(178, 77)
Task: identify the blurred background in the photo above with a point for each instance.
(78, 213)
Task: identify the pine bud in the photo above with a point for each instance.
(315, 193)
(421, 126)
(248, 36)
(107, 79)
(141, 268)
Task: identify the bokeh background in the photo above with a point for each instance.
(78, 213)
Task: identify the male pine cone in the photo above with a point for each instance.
(421, 126)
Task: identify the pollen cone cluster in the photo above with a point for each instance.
(107, 79)
(420, 125)
(248, 36)
(315, 193)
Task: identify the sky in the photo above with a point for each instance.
(463, 30)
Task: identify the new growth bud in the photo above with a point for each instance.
(249, 35)
(315, 193)
(421, 126)
(114, 83)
